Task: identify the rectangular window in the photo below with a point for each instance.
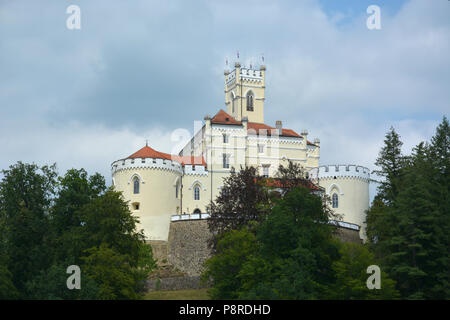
(260, 148)
(265, 171)
(226, 160)
(225, 138)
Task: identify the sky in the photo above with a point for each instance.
(138, 70)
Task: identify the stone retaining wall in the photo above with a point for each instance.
(187, 248)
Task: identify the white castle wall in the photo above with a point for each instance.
(351, 184)
(157, 197)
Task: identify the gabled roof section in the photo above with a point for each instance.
(262, 128)
(224, 118)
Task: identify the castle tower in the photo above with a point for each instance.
(244, 93)
(348, 188)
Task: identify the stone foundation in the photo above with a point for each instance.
(176, 283)
(187, 249)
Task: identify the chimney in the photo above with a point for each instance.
(279, 126)
(245, 122)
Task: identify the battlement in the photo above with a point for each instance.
(195, 169)
(341, 170)
(246, 74)
(146, 163)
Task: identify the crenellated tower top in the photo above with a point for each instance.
(245, 92)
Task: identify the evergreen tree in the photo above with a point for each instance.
(351, 275)
(408, 222)
(390, 161)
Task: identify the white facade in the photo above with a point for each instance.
(349, 186)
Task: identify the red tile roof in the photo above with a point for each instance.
(147, 152)
(194, 160)
(224, 118)
(266, 129)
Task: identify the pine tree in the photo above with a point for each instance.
(439, 157)
(390, 161)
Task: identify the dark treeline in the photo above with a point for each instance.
(48, 223)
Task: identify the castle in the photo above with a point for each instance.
(163, 188)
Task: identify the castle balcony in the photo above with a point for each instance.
(193, 216)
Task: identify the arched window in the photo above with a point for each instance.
(250, 98)
(136, 185)
(196, 193)
(335, 200)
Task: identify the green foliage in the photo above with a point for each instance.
(233, 250)
(48, 223)
(7, 289)
(50, 284)
(26, 193)
(241, 201)
(408, 222)
(351, 276)
(288, 255)
(117, 279)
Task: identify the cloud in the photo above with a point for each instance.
(138, 71)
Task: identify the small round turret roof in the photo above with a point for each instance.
(147, 152)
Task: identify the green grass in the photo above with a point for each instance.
(193, 294)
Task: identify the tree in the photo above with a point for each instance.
(51, 284)
(242, 199)
(232, 251)
(48, 223)
(7, 289)
(26, 195)
(76, 189)
(408, 223)
(117, 279)
(390, 161)
(351, 275)
(286, 255)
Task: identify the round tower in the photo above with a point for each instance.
(348, 188)
(150, 181)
